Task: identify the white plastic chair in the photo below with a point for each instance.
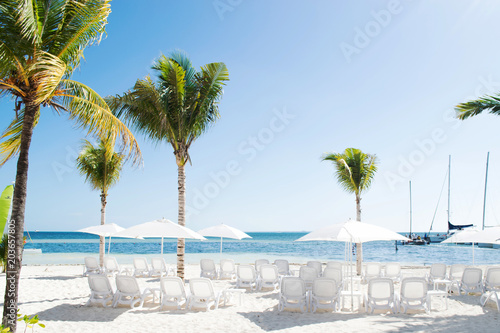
(334, 274)
(436, 272)
(372, 270)
(269, 277)
(283, 267)
(91, 266)
(380, 295)
(260, 262)
(414, 294)
(141, 267)
(324, 294)
(317, 265)
(100, 290)
(334, 264)
(246, 277)
(308, 274)
(472, 281)
(227, 269)
(393, 271)
(491, 291)
(455, 275)
(292, 294)
(173, 292)
(203, 294)
(208, 269)
(128, 292)
(111, 267)
(159, 267)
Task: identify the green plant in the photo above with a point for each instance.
(30, 321)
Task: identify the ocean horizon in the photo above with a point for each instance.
(70, 247)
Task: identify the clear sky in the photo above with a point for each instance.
(306, 78)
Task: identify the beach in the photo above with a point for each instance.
(58, 294)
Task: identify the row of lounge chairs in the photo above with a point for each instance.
(172, 292)
(158, 267)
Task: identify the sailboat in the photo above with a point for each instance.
(484, 201)
(451, 227)
(414, 240)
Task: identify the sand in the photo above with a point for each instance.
(58, 294)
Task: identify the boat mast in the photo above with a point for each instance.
(449, 179)
(485, 186)
(410, 212)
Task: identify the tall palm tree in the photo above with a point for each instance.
(355, 173)
(475, 107)
(41, 44)
(177, 108)
(101, 168)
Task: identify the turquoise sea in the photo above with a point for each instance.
(72, 247)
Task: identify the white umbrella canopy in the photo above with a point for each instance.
(160, 228)
(105, 230)
(490, 235)
(223, 231)
(354, 232)
(461, 236)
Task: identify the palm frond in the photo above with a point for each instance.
(48, 72)
(91, 111)
(478, 106)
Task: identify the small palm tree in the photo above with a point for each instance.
(41, 44)
(178, 109)
(475, 107)
(101, 168)
(355, 172)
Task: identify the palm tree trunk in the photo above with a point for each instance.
(359, 246)
(181, 179)
(16, 224)
(102, 240)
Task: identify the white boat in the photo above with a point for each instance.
(32, 251)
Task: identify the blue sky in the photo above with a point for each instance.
(306, 78)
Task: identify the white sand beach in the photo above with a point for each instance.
(58, 294)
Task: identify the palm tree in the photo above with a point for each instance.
(101, 168)
(355, 172)
(475, 107)
(177, 108)
(41, 44)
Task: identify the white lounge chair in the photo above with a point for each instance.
(173, 292)
(246, 277)
(283, 267)
(380, 295)
(334, 274)
(269, 277)
(91, 266)
(436, 272)
(100, 290)
(292, 294)
(455, 275)
(414, 294)
(159, 268)
(372, 270)
(111, 267)
(260, 262)
(203, 294)
(308, 274)
(472, 281)
(141, 268)
(128, 292)
(393, 271)
(227, 269)
(324, 294)
(334, 264)
(491, 289)
(317, 265)
(208, 269)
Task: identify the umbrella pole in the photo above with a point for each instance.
(109, 245)
(221, 245)
(473, 253)
(162, 246)
(352, 283)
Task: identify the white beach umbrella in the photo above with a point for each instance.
(160, 228)
(223, 231)
(352, 232)
(490, 235)
(104, 230)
